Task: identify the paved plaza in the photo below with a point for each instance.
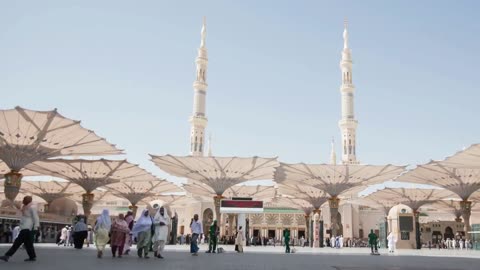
(177, 257)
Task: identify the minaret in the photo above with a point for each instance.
(209, 151)
(198, 120)
(348, 124)
(333, 155)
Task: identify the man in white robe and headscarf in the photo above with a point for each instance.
(391, 242)
(161, 222)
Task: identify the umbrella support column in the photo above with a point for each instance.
(333, 202)
(216, 202)
(386, 231)
(307, 229)
(466, 212)
(13, 181)
(134, 209)
(417, 230)
(87, 203)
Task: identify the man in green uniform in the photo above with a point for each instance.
(212, 243)
(286, 236)
(372, 241)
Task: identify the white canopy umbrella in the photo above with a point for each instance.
(336, 180)
(413, 198)
(92, 174)
(257, 192)
(468, 158)
(462, 181)
(315, 197)
(136, 191)
(51, 190)
(218, 174)
(27, 136)
(451, 207)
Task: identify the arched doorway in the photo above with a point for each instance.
(448, 233)
(207, 220)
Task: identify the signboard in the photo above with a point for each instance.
(241, 206)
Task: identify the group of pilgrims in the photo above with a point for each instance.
(150, 231)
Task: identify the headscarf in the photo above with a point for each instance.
(80, 226)
(162, 218)
(103, 221)
(129, 219)
(120, 224)
(143, 224)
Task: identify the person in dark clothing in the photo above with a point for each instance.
(212, 246)
(286, 236)
(372, 240)
(80, 233)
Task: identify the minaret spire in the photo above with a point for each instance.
(198, 120)
(204, 32)
(348, 124)
(345, 34)
(333, 155)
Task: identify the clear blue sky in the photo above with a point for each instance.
(126, 68)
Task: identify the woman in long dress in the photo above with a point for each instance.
(239, 240)
(142, 230)
(161, 222)
(102, 227)
(80, 232)
(118, 234)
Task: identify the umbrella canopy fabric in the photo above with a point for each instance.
(257, 192)
(174, 200)
(411, 197)
(136, 191)
(5, 169)
(316, 197)
(336, 180)
(100, 196)
(92, 174)
(461, 181)
(51, 190)
(303, 205)
(27, 136)
(377, 202)
(468, 158)
(448, 206)
(218, 173)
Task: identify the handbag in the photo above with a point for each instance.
(236, 247)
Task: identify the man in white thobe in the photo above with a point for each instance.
(391, 242)
(161, 222)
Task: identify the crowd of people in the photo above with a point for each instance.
(450, 244)
(150, 233)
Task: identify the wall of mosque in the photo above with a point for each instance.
(437, 230)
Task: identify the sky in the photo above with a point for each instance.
(126, 68)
